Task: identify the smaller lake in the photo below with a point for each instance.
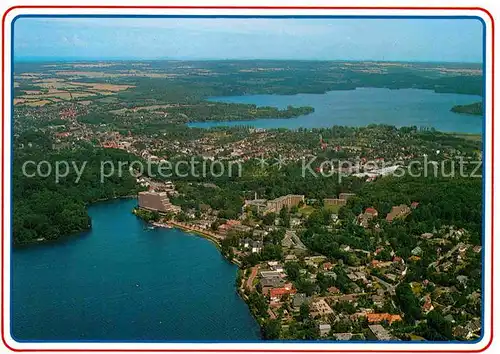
(361, 107)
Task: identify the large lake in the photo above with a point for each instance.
(121, 281)
(361, 107)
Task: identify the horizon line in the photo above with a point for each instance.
(130, 59)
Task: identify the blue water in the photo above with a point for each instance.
(361, 107)
(121, 281)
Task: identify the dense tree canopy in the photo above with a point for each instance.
(44, 208)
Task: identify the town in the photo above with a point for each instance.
(344, 252)
(295, 292)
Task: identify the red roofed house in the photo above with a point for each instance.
(427, 306)
(63, 134)
(368, 215)
(372, 211)
(110, 145)
(397, 259)
(275, 294)
(224, 228)
(333, 290)
(379, 317)
(233, 222)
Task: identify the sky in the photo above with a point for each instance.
(444, 40)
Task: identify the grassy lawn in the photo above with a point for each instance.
(416, 338)
(473, 137)
(306, 210)
(333, 208)
(416, 288)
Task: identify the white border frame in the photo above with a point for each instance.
(6, 140)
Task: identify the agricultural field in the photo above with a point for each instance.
(44, 91)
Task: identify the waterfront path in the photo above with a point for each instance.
(252, 277)
(210, 235)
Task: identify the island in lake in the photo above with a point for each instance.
(473, 108)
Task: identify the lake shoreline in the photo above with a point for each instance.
(359, 107)
(104, 236)
(239, 287)
(195, 231)
(79, 233)
(200, 233)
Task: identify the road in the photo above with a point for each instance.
(252, 276)
(390, 288)
(446, 255)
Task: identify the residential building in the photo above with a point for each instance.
(398, 212)
(275, 294)
(427, 306)
(343, 336)
(275, 265)
(364, 218)
(299, 299)
(334, 201)
(320, 307)
(269, 283)
(473, 328)
(270, 274)
(259, 204)
(324, 329)
(380, 333)
(378, 300)
(380, 317)
(327, 266)
(417, 251)
(288, 201)
(228, 225)
(157, 201)
(333, 290)
(256, 246)
(346, 196)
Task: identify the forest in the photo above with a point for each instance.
(200, 112)
(46, 210)
(443, 202)
(41, 205)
